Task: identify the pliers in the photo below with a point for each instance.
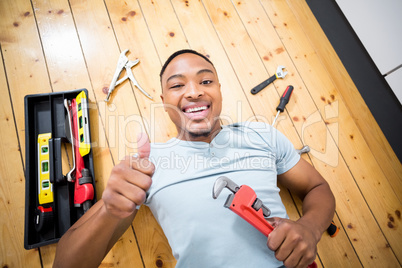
(121, 64)
(244, 202)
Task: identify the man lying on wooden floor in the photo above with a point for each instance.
(201, 232)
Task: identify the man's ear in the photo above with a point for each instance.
(163, 102)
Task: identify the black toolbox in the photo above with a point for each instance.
(50, 207)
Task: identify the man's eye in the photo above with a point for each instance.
(206, 82)
(176, 86)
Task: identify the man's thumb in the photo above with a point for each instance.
(144, 147)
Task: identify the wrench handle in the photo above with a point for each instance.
(242, 205)
(263, 84)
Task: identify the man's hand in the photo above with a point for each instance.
(129, 181)
(293, 242)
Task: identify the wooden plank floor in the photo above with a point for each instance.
(59, 45)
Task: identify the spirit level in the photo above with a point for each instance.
(83, 125)
(45, 188)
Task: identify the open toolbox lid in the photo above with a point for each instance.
(53, 204)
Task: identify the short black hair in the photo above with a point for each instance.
(179, 52)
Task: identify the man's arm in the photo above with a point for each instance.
(295, 243)
(88, 241)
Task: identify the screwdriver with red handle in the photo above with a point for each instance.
(283, 101)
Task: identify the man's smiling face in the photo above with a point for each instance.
(192, 97)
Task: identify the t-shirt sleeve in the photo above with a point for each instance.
(286, 155)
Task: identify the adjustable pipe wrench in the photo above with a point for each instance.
(244, 202)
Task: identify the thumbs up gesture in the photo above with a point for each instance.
(144, 147)
(129, 181)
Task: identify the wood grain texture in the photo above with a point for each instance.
(379, 196)
(23, 58)
(362, 116)
(69, 44)
(26, 74)
(12, 183)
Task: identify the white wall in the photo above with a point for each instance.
(378, 24)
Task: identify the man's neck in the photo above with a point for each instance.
(203, 137)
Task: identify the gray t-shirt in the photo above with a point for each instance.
(200, 231)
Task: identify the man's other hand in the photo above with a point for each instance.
(129, 181)
(293, 243)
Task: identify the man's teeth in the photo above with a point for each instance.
(196, 109)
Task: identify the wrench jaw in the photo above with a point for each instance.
(280, 73)
(229, 201)
(221, 183)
